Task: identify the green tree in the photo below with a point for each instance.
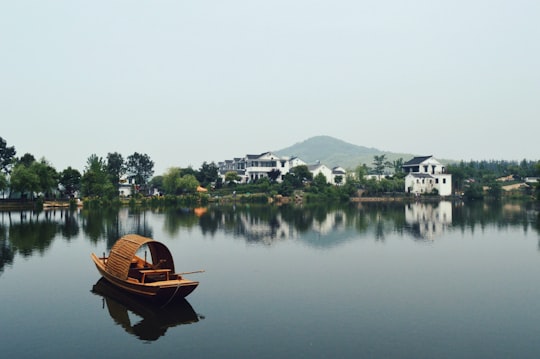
(459, 175)
(24, 180)
(537, 184)
(360, 172)
(140, 167)
(380, 163)
(320, 181)
(48, 177)
(232, 177)
(188, 184)
(208, 173)
(494, 190)
(302, 172)
(95, 181)
(474, 191)
(188, 171)
(4, 184)
(171, 180)
(70, 179)
(373, 186)
(27, 159)
(274, 174)
(289, 184)
(115, 168)
(7, 154)
(397, 165)
(286, 187)
(157, 183)
(176, 184)
(30, 176)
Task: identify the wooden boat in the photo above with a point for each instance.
(155, 280)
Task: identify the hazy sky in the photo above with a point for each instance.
(187, 81)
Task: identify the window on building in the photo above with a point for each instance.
(444, 180)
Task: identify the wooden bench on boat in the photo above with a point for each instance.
(155, 274)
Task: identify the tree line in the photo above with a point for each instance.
(102, 177)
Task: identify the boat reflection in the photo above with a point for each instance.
(155, 319)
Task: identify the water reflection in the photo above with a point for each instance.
(6, 249)
(28, 232)
(154, 320)
(112, 224)
(428, 220)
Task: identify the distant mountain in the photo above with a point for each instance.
(333, 152)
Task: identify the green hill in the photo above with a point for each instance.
(333, 152)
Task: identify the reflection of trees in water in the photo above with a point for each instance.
(257, 224)
(6, 252)
(112, 224)
(300, 218)
(469, 216)
(381, 218)
(32, 234)
(69, 224)
(176, 218)
(314, 223)
(94, 223)
(318, 225)
(137, 223)
(25, 232)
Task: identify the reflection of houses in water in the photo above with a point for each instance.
(256, 229)
(428, 220)
(318, 231)
(331, 222)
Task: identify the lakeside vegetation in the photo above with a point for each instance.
(24, 177)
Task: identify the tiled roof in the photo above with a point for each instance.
(416, 161)
(420, 175)
(253, 157)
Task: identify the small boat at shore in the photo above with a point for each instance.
(154, 279)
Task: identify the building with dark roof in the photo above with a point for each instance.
(427, 175)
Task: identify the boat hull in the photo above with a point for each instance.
(160, 292)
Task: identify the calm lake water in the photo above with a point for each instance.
(444, 280)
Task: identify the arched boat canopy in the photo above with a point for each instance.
(124, 250)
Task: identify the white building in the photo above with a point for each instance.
(318, 168)
(254, 167)
(425, 174)
(126, 187)
(330, 174)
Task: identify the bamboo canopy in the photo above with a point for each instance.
(124, 250)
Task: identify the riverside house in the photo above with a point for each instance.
(253, 167)
(425, 175)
